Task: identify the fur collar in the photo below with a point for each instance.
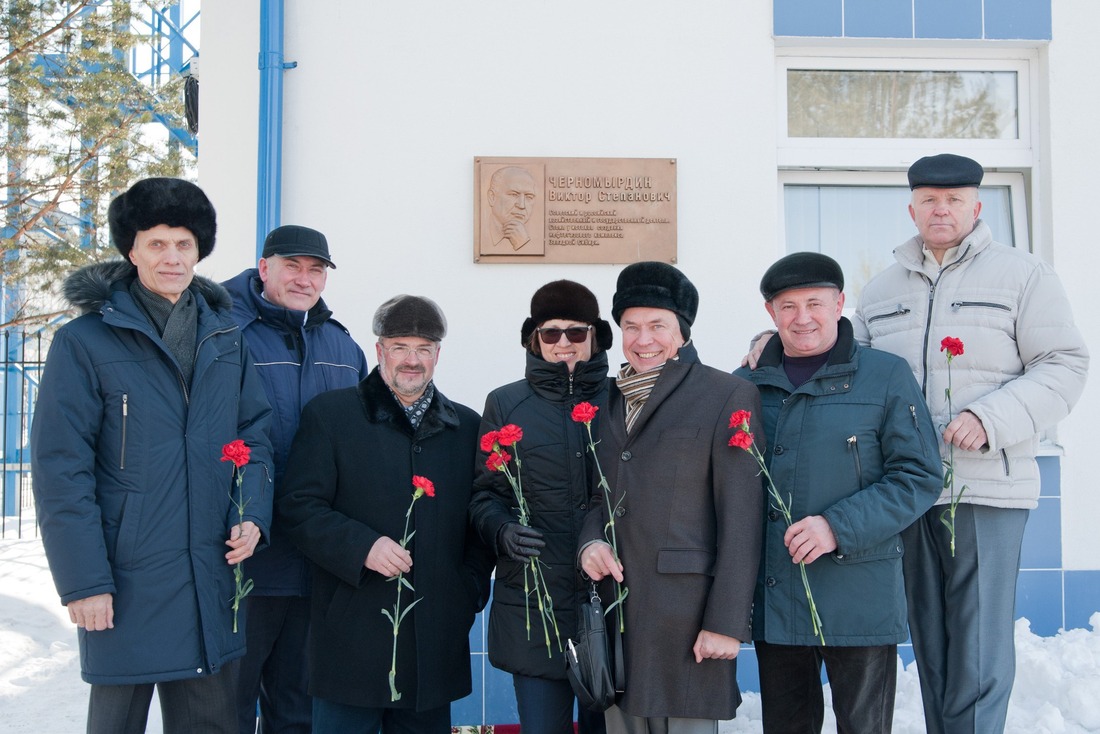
(380, 406)
(91, 287)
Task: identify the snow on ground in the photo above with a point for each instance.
(1057, 678)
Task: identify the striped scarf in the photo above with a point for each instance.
(636, 388)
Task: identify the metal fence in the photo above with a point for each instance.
(21, 367)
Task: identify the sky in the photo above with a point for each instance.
(1057, 687)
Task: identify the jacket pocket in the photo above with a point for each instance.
(685, 560)
(897, 312)
(128, 527)
(853, 448)
(122, 432)
(890, 548)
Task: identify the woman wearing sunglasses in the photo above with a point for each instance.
(566, 343)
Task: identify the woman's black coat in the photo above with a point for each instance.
(555, 471)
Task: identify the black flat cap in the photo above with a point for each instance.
(291, 240)
(945, 171)
(801, 270)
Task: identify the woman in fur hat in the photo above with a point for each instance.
(566, 343)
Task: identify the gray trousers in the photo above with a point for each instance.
(205, 704)
(961, 615)
(620, 722)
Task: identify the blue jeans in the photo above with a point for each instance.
(546, 707)
(330, 717)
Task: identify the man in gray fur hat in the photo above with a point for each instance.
(686, 508)
(139, 512)
(347, 500)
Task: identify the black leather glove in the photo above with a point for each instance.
(518, 542)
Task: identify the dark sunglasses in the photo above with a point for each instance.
(575, 334)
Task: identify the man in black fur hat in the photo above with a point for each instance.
(686, 509)
(347, 501)
(142, 519)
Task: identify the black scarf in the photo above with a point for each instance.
(177, 323)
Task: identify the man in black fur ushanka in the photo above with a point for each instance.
(138, 397)
(346, 500)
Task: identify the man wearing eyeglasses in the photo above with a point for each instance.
(300, 351)
(348, 502)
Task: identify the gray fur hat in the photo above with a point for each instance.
(406, 315)
(170, 201)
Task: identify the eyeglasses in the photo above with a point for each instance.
(400, 352)
(552, 335)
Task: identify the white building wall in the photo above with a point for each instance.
(391, 102)
(1074, 92)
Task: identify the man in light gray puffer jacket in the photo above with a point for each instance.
(1024, 367)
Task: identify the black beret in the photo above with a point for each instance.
(154, 201)
(656, 285)
(566, 299)
(945, 171)
(291, 240)
(410, 316)
(801, 270)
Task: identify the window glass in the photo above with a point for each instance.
(858, 103)
(859, 226)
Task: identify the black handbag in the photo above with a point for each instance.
(594, 661)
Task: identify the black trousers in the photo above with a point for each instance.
(275, 670)
(206, 704)
(863, 682)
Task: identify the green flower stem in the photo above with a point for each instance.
(398, 615)
(609, 530)
(532, 573)
(780, 504)
(242, 586)
(947, 517)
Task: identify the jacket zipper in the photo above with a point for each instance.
(125, 413)
(928, 321)
(980, 304)
(1004, 461)
(183, 384)
(854, 448)
(899, 311)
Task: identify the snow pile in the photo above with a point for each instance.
(1057, 687)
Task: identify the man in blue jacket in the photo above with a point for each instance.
(139, 513)
(300, 352)
(852, 452)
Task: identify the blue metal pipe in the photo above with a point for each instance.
(269, 167)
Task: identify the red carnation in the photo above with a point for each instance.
(498, 460)
(424, 484)
(488, 440)
(584, 412)
(741, 439)
(740, 419)
(951, 345)
(509, 435)
(236, 451)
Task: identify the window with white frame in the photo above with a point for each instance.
(850, 126)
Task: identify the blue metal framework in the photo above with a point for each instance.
(153, 64)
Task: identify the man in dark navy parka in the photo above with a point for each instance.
(139, 514)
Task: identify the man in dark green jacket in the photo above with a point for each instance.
(852, 453)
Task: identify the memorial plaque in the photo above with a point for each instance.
(574, 210)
